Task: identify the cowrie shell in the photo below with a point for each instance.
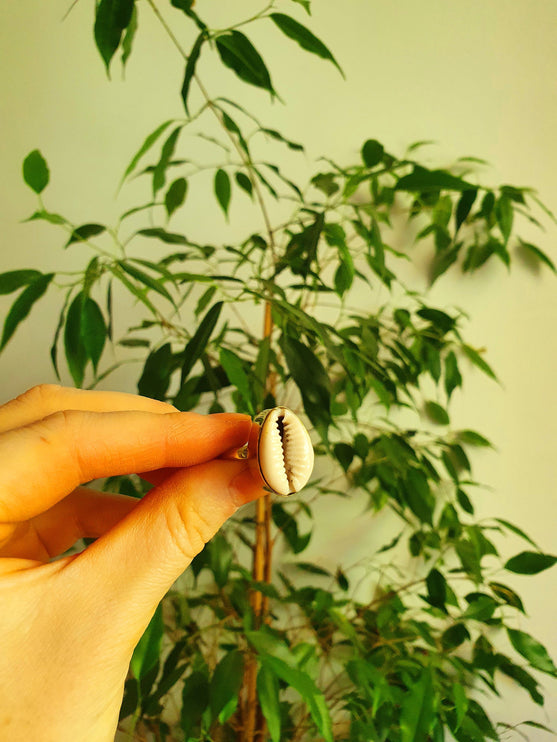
(284, 451)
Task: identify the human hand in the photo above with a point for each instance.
(68, 627)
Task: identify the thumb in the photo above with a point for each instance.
(130, 568)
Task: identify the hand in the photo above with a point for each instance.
(68, 627)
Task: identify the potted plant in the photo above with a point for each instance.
(255, 642)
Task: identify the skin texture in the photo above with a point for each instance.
(68, 627)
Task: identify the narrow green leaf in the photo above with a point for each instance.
(463, 208)
(23, 305)
(517, 531)
(146, 146)
(47, 216)
(478, 361)
(237, 376)
(190, 68)
(274, 134)
(59, 326)
(303, 36)
(461, 703)
(372, 152)
(423, 180)
(111, 18)
(505, 593)
(155, 377)
(537, 725)
(35, 171)
(530, 648)
(311, 378)
(197, 344)
(225, 685)
(14, 280)
(268, 694)
(453, 378)
(472, 438)
(417, 714)
(522, 677)
(176, 195)
(145, 279)
(238, 54)
(167, 151)
(76, 354)
(530, 563)
(196, 697)
(93, 329)
(222, 190)
(169, 238)
(539, 254)
(129, 36)
(81, 234)
(146, 653)
(504, 214)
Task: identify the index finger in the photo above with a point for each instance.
(46, 460)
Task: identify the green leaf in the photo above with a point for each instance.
(472, 438)
(223, 190)
(436, 589)
(14, 280)
(197, 344)
(478, 361)
(453, 378)
(536, 654)
(304, 685)
(129, 36)
(93, 330)
(463, 208)
(278, 136)
(176, 195)
(505, 593)
(196, 697)
(225, 685)
(155, 377)
(111, 18)
(311, 379)
(146, 146)
(167, 151)
(422, 180)
(517, 531)
(190, 68)
(81, 234)
(146, 653)
(145, 279)
(268, 694)
(76, 353)
(539, 254)
(238, 54)
(436, 413)
(344, 453)
(303, 36)
(455, 636)
(35, 171)
(417, 714)
(23, 305)
(169, 238)
(460, 701)
(530, 563)
(244, 182)
(237, 376)
(372, 153)
(504, 214)
(521, 676)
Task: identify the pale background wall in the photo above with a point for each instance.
(477, 77)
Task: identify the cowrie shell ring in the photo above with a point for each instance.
(283, 449)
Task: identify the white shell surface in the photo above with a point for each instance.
(285, 451)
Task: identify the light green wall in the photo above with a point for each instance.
(477, 76)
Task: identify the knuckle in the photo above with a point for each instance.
(40, 397)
